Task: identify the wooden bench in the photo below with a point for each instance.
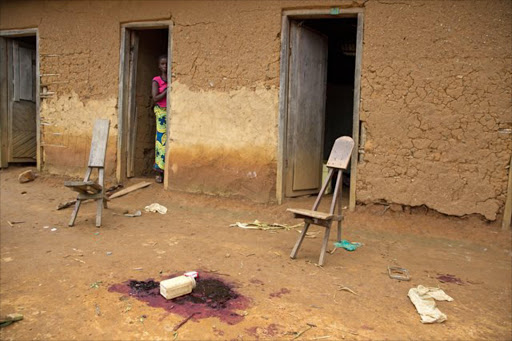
(88, 189)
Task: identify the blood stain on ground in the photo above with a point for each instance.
(449, 279)
(279, 293)
(210, 298)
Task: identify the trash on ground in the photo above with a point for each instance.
(257, 225)
(130, 189)
(12, 223)
(345, 244)
(109, 253)
(192, 274)
(10, 319)
(156, 208)
(396, 272)
(310, 234)
(95, 285)
(26, 176)
(53, 229)
(342, 288)
(424, 299)
(137, 213)
(66, 204)
(177, 286)
(298, 334)
(449, 279)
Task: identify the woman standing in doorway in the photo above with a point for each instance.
(159, 93)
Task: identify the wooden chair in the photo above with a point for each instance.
(338, 161)
(89, 189)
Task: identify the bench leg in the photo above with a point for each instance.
(75, 212)
(299, 242)
(101, 202)
(324, 246)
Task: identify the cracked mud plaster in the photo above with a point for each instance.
(433, 104)
(224, 142)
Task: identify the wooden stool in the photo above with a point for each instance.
(338, 161)
(89, 189)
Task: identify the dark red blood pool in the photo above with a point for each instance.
(211, 297)
(449, 279)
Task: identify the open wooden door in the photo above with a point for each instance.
(132, 107)
(306, 110)
(22, 101)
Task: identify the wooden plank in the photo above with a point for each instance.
(132, 108)
(283, 109)
(99, 143)
(167, 168)
(507, 213)
(323, 13)
(149, 24)
(39, 152)
(130, 189)
(357, 102)
(84, 184)
(121, 117)
(4, 137)
(19, 33)
(302, 213)
(308, 78)
(16, 70)
(341, 152)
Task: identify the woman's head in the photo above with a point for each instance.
(162, 63)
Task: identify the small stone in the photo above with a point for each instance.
(26, 176)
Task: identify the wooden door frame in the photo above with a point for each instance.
(124, 90)
(326, 13)
(4, 95)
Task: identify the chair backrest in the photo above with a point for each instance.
(338, 159)
(341, 152)
(99, 143)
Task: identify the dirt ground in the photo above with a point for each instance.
(59, 280)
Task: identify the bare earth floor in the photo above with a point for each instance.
(59, 280)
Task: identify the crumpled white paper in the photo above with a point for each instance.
(156, 208)
(424, 298)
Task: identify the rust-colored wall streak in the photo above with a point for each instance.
(436, 88)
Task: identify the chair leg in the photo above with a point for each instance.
(299, 242)
(339, 231)
(99, 211)
(324, 246)
(75, 212)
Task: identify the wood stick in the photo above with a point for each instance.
(130, 189)
(179, 325)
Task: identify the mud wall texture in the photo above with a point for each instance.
(436, 90)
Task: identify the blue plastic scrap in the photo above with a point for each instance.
(345, 244)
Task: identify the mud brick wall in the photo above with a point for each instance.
(436, 90)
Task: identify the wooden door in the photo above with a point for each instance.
(132, 106)
(22, 111)
(306, 110)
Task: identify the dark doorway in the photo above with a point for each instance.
(321, 78)
(20, 89)
(341, 34)
(146, 45)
